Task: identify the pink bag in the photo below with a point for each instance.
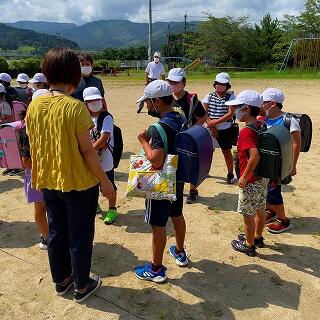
(18, 107)
(10, 157)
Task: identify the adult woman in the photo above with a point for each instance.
(67, 169)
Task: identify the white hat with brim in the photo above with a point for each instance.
(176, 75)
(5, 77)
(22, 77)
(156, 89)
(273, 94)
(247, 97)
(38, 77)
(40, 92)
(222, 77)
(91, 93)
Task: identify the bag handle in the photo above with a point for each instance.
(163, 135)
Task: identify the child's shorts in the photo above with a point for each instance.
(32, 195)
(253, 196)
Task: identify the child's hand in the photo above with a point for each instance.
(143, 136)
(242, 182)
(106, 188)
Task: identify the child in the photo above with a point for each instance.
(272, 107)
(192, 108)
(158, 98)
(253, 190)
(39, 81)
(32, 195)
(103, 142)
(5, 109)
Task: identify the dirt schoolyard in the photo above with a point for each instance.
(282, 282)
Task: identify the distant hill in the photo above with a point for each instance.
(14, 38)
(108, 33)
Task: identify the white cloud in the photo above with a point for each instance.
(80, 11)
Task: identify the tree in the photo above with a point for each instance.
(4, 67)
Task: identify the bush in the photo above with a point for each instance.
(29, 66)
(4, 67)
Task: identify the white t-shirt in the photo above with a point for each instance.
(5, 109)
(107, 127)
(155, 70)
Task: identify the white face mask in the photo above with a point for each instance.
(239, 113)
(156, 59)
(86, 70)
(95, 106)
(23, 85)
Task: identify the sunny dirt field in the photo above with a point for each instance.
(282, 282)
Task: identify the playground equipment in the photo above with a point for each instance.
(194, 64)
(305, 53)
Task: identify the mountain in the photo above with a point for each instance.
(14, 38)
(43, 26)
(110, 33)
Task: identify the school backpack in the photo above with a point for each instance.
(10, 157)
(195, 150)
(275, 149)
(305, 126)
(117, 149)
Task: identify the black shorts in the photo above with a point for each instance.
(158, 211)
(274, 196)
(225, 138)
(110, 175)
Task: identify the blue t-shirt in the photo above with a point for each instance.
(294, 126)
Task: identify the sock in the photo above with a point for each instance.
(155, 268)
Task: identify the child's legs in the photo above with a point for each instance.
(260, 220)
(159, 240)
(228, 157)
(179, 225)
(40, 218)
(113, 199)
(275, 201)
(249, 229)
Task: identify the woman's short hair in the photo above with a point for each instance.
(61, 65)
(85, 57)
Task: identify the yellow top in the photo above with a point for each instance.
(53, 123)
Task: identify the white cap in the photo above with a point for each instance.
(222, 77)
(273, 94)
(157, 54)
(2, 88)
(91, 93)
(39, 92)
(176, 74)
(248, 97)
(38, 77)
(5, 77)
(22, 77)
(156, 89)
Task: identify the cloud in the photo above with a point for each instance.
(80, 11)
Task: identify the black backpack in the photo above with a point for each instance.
(275, 149)
(305, 127)
(117, 137)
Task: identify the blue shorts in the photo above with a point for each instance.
(274, 196)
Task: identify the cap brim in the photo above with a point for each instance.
(175, 78)
(234, 102)
(33, 81)
(143, 98)
(93, 97)
(224, 81)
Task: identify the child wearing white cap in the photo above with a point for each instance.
(253, 190)
(220, 118)
(5, 109)
(154, 71)
(10, 93)
(39, 81)
(23, 91)
(158, 98)
(272, 107)
(192, 109)
(103, 142)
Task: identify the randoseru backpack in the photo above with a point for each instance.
(117, 149)
(305, 126)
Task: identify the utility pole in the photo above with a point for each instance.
(185, 23)
(168, 42)
(150, 32)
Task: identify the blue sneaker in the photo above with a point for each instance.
(181, 258)
(145, 273)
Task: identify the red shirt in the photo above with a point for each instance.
(248, 139)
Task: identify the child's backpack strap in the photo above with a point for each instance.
(287, 120)
(100, 119)
(163, 135)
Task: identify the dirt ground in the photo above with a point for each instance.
(282, 282)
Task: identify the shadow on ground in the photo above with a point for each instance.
(10, 184)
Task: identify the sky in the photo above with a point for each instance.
(80, 11)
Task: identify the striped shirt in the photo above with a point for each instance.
(217, 108)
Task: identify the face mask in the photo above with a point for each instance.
(268, 111)
(86, 70)
(95, 106)
(154, 112)
(177, 88)
(240, 114)
(23, 85)
(156, 59)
